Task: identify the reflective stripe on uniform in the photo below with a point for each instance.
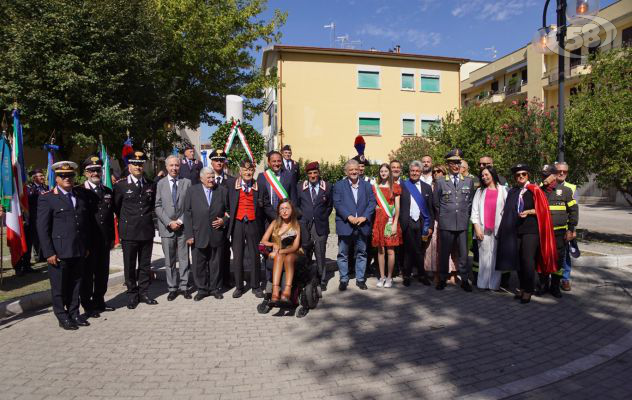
(571, 203)
(557, 228)
(557, 208)
(571, 186)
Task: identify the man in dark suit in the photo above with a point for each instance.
(355, 205)
(134, 199)
(63, 221)
(205, 225)
(190, 167)
(290, 165)
(315, 203)
(218, 163)
(416, 216)
(275, 183)
(94, 281)
(246, 226)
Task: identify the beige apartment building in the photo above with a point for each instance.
(526, 74)
(326, 97)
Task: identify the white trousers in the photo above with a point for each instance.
(488, 277)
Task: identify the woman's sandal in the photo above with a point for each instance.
(275, 294)
(287, 293)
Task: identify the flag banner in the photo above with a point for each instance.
(18, 161)
(50, 148)
(107, 182)
(6, 175)
(235, 131)
(16, 238)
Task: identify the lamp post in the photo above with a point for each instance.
(542, 41)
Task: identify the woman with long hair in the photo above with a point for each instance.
(284, 236)
(387, 233)
(487, 210)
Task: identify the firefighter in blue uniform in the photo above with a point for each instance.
(63, 220)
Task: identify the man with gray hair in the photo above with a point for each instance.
(170, 194)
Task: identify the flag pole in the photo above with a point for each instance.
(2, 224)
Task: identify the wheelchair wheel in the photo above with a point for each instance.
(311, 294)
(301, 312)
(264, 307)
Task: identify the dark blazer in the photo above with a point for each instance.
(265, 192)
(135, 209)
(346, 206)
(192, 174)
(233, 200)
(317, 212)
(404, 204)
(294, 171)
(102, 206)
(34, 191)
(228, 182)
(63, 230)
(198, 216)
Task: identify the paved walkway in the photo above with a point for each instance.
(382, 343)
(606, 219)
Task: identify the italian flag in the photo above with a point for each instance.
(16, 238)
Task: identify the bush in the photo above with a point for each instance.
(333, 172)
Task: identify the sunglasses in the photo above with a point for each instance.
(482, 164)
(66, 176)
(519, 174)
(93, 170)
(562, 172)
(437, 171)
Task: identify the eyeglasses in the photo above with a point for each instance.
(519, 174)
(66, 176)
(482, 164)
(437, 171)
(560, 172)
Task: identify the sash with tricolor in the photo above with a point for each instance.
(235, 130)
(275, 184)
(388, 209)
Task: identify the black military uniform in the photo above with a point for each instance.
(94, 281)
(228, 182)
(134, 200)
(33, 191)
(63, 221)
(564, 216)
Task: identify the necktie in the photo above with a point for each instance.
(139, 184)
(99, 190)
(456, 180)
(218, 180)
(69, 196)
(190, 164)
(208, 196)
(313, 193)
(174, 191)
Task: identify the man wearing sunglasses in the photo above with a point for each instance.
(63, 219)
(562, 174)
(487, 161)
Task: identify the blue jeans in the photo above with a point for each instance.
(344, 242)
(566, 275)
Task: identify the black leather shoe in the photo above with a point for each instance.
(92, 314)
(132, 303)
(406, 281)
(218, 295)
(343, 286)
(147, 300)
(238, 293)
(68, 325)
(441, 285)
(80, 321)
(361, 285)
(555, 292)
(172, 295)
(323, 287)
(199, 296)
(424, 280)
(466, 286)
(258, 293)
(105, 308)
(187, 294)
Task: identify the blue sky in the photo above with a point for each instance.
(458, 28)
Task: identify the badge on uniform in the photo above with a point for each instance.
(128, 191)
(558, 192)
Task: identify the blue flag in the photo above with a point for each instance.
(6, 175)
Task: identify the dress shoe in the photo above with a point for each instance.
(28, 270)
(555, 292)
(526, 297)
(518, 295)
(105, 308)
(343, 286)
(68, 325)
(172, 295)
(147, 300)
(187, 294)
(258, 292)
(92, 314)
(441, 285)
(465, 285)
(238, 293)
(199, 296)
(361, 285)
(132, 303)
(218, 295)
(424, 280)
(323, 287)
(566, 286)
(80, 321)
(406, 282)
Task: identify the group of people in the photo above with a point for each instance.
(420, 224)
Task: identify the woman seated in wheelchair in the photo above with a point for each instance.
(284, 236)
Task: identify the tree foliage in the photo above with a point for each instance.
(599, 121)
(86, 68)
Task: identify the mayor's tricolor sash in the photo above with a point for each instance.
(421, 203)
(388, 209)
(275, 184)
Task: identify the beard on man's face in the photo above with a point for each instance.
(426, 170)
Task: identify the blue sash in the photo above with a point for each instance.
(421, 203)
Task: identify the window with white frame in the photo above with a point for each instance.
(427, 122)
(368, 77)
(408, 79)
(408, 124)
(369, 124)
(430, 81)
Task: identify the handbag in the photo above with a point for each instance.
(264, 250)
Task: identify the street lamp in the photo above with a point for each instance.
(543, 42)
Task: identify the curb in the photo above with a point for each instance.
(623, 262)
(554, 375)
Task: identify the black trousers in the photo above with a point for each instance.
(224, 266)
(448, 240)
(560, 244)
(246, 235)
(314, 244)
(206, 268)
(65, 280)
(94, 278)
(528, 247)
(415, 251)
(137, 266)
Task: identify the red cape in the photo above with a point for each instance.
(547, 258)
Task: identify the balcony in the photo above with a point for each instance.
(571, 73)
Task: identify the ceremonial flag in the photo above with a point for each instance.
(18, 161)
(127, 150)
(50, 148)
(6, 175)
(107, 181)
(16, 238)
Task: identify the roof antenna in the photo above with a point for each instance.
(332, 34)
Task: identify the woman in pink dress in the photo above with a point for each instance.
(387, 233)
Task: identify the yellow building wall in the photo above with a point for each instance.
(319, 103)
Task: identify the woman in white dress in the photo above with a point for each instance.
(487, 208)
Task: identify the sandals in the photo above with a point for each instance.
(275, 294)
(287, 293)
